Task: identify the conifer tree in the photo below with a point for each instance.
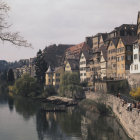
(40, 67)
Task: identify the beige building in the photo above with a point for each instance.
(111, 58)
(124, 55)
(98, 41)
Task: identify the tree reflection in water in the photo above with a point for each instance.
(87, 126)
(71, 125)
(26, 107)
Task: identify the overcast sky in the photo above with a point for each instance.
(45, 22)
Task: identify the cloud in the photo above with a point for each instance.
(44, 22)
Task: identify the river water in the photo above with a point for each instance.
(22, 119)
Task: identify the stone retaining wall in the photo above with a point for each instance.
(130, 120)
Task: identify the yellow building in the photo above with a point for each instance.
(49, 77)
(111, 57)
(57, 76)
(124, 55)
(53, 78)
(71, 65)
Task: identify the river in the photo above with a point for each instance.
(23, 119)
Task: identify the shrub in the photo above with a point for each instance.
(26, 86)
(135, 93)
(49, 91)
(70, 86)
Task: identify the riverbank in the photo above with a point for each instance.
(130, 120)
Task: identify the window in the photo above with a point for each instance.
(114, 65)
(128, 57)
(57, 80)
(122, 58)
(136, 67)
(131, 67)
(127, 67)
(84, 74)
(122, 66)
(57, 74)
(118, 59)
(135, 56)
(128, 48)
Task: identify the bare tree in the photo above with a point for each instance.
(5, 34)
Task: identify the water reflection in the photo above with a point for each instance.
(72, 125)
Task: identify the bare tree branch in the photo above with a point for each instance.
(14, 38)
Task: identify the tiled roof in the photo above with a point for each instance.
(76, 50)
(115, 41)
(74, 64)
(86, 54)
(103, 49)
(128, 40)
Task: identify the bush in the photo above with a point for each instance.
(49, 91)
(26, 86)
(70, 86)
(84, 84)
(135, 93)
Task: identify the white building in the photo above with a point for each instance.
(83, 65)
(135, 66)
(103, 62)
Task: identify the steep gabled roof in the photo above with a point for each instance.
(49, 70)
(128, 40)
(86, 54)
(114, 41)
(74, 63)
(103, 49)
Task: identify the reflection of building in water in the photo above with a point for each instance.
(84, 128)
(51, 116)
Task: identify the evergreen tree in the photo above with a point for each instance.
(40, 67)
(10, 76)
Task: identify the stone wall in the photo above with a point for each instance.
(134, 80)
(130, 120)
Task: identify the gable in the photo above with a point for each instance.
(111, 45)
(120, 43)
(101, 39)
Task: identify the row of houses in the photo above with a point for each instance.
(105, 56)
(27, 68)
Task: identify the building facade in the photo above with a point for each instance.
(135, 66)
(124, 56)
(53, 78)
(103, 62)
(111, 58)
(72, 65)
(84, 67)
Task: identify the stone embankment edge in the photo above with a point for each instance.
(114, 103)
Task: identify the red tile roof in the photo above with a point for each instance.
(76, 50)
